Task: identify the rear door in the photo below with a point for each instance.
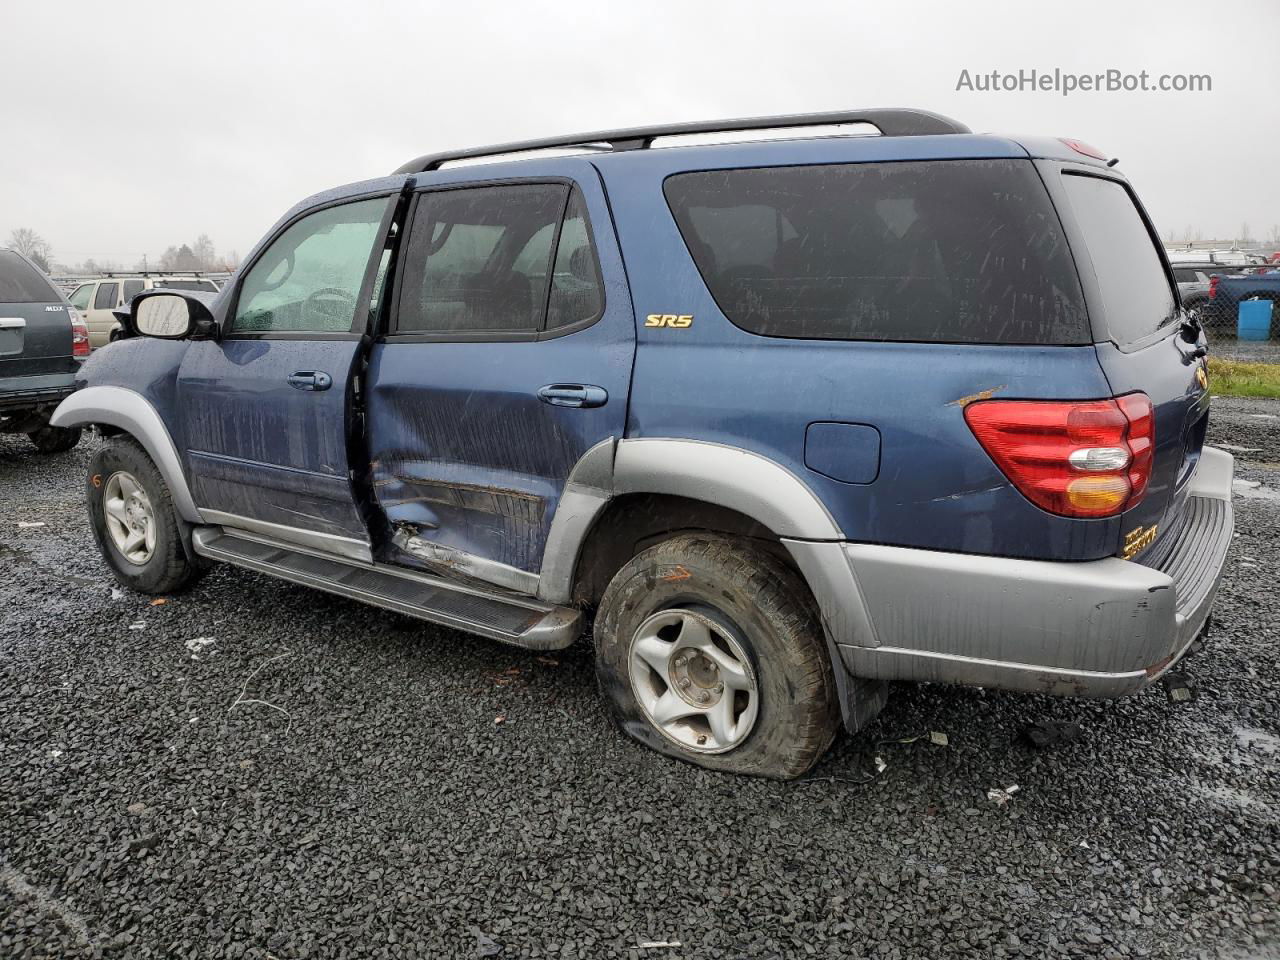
(100, 318)
(508, 357)
(266, 409)
(35, 329)
(1134, 310)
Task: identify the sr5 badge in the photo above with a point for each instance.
(678, 321)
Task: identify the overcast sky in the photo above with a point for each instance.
(127, 127)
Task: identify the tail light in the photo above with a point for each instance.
(1213, 286)
(1073, 458)
(79, 335)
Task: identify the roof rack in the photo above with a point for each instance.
(893, 122)
(154, 273)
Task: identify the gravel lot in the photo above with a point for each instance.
(256, 770)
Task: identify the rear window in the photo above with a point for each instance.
(1136, 296)
(22, 283)
(957, 251)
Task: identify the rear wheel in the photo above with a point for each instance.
(708, 649)
(55, 439)
(134, 520)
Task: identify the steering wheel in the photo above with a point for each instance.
(326, 305)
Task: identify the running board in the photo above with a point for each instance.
(519, 621)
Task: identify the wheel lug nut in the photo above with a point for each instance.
(702, 738)
(703, 697)
(681, 661)
(684, 683)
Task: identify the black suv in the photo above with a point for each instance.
(42, 344)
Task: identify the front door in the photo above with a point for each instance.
(265, 410)
(508, 356)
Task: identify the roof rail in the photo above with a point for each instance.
(895, 122)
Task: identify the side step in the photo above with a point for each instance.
(519, 621)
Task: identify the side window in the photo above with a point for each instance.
(106, 297)
(80, 299)
(309, 279)
(132, 288)
(577, 293)
(478, 259)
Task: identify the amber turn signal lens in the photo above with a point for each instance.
(1098, 494)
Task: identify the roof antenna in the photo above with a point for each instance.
(1113, 161)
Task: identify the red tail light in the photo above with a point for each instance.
(79, 335)
(1073, 458)
(1213, 286)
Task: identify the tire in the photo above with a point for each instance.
(55, 439)
(762, 621)
(164, 567)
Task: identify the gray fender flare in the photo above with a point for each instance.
(747, 482)
(131, 412)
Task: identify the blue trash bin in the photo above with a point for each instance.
(1254, 320)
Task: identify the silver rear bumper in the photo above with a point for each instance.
(1101, 628)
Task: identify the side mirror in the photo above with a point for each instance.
(171, 315)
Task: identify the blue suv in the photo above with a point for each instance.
(783, 420)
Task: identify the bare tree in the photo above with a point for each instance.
(1274, 235)
(204, 252)
(1245, 237)
(30, 244)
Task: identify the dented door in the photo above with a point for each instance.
(508, 356)
(265, 408)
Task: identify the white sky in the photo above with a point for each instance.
(126, 127)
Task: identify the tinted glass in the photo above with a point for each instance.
(309, 279)
(105, 299)
(80, 299)
(22, 283)
(967, 251)
(478, 259)
(132, 288)
(187, 285)
(1135, 292)
(576, 291)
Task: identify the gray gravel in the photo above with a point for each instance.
(362, 800)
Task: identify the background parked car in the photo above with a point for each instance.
(96, 299)
(1193, 283)
(1226, 290)
(42, 343)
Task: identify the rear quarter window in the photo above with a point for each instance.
(956, 251)
(22, 283)
(1136, 297)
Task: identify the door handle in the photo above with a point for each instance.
(310, 380)
(573, 395)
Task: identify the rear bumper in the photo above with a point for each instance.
(26, 393)
(1102, 628)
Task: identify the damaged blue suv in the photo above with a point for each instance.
(781, 420)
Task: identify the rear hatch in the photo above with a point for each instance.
(35, 325)
(1134, 310)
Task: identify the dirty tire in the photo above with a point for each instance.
(168, 570)
(775, 618)
(55, 439)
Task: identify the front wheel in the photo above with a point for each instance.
(709, 649)
(55, 439)
(134, 521)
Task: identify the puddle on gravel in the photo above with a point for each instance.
(1229, 797)
(1251, 738)
(1253, 490)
